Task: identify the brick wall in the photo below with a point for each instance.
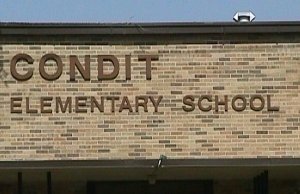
(182, 69)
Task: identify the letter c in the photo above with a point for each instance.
(13, 64)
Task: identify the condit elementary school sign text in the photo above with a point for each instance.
(98, 104)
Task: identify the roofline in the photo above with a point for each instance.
(174, 28)
(150, 163)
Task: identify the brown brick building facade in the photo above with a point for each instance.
(220, 96)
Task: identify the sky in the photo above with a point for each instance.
(106, 11)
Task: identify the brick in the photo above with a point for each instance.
(239, 67)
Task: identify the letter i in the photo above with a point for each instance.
(128, 67)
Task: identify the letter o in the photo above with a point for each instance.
(59, 64)
(257, 97)
(238, 108)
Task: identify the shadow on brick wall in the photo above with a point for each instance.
(3, 73)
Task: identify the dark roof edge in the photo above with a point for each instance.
(150, 163)
(148, 28)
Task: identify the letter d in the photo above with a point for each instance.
(114, 61)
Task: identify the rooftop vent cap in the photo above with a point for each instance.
(244, 16)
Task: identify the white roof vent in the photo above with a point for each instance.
(246, 16)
